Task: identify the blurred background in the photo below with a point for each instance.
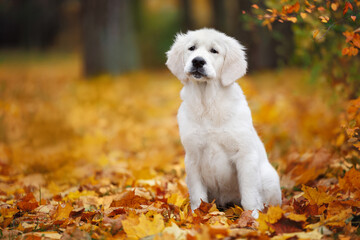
(115, 36)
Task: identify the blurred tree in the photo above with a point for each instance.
(219, 16)
(187, 21)
(109, 44)
(30, 24)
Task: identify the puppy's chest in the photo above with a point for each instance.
(211, 114)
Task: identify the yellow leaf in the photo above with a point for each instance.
(176, 199)
(334, 6)
(315, 33)
(174, 230)
(8, 212)
(303, 15)
(315, 196)
(63, 212)
(292, 19)
(139, 227)
(296, 217)
(76, 195)
(273, 215)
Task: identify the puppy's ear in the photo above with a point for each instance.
(235, 64)
(175, 58)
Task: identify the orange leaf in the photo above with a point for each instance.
(303, 15)
(353, 51)
(351, 180)
(316, 197)
(324, 19)
(347, 6)
(255, 6)
(288, 9)
(345, 51)
(292, 19)
(315, 33)
(273, 215)
(28, 203)
(349, 36)
(63, 212)
(356, 40)
(129, 199)
(353, 18)
(334, 6)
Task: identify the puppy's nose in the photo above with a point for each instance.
(198, 62)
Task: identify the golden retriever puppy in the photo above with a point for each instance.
(225, 159)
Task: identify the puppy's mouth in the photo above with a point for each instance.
(198, 73)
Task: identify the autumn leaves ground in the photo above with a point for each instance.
(102, 159)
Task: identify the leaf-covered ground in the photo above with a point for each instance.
(102, 159)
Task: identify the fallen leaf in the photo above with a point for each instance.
(63, 211)
(316, 197)
(28, 203)
(139, 227)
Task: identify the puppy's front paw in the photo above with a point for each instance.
(195, 205)
(255, 213)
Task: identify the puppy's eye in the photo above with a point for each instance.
(213, 51)
(192, 48)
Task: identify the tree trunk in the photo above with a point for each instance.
(219, 16)
(108, 37)
(187, 21)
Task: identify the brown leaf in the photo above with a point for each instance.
(351, 181)
(246, 220)
(130, 200)
(28, 203)
(285, 225)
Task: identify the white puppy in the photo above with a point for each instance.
(225, 159)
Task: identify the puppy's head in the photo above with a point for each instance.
(206, 55)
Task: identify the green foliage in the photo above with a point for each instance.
(326, 37)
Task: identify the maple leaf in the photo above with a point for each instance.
(288, 9)
(176, 199)
(351, 180)
(63, 212)
(346, 7)
(356, 40)
(205, 208)
(139, 227)
(273, 215)
(316, 197)
(129, 199)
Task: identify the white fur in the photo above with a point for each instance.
(225, 159)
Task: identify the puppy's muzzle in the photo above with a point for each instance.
(197, 69)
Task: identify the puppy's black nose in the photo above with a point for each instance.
(198, 62)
